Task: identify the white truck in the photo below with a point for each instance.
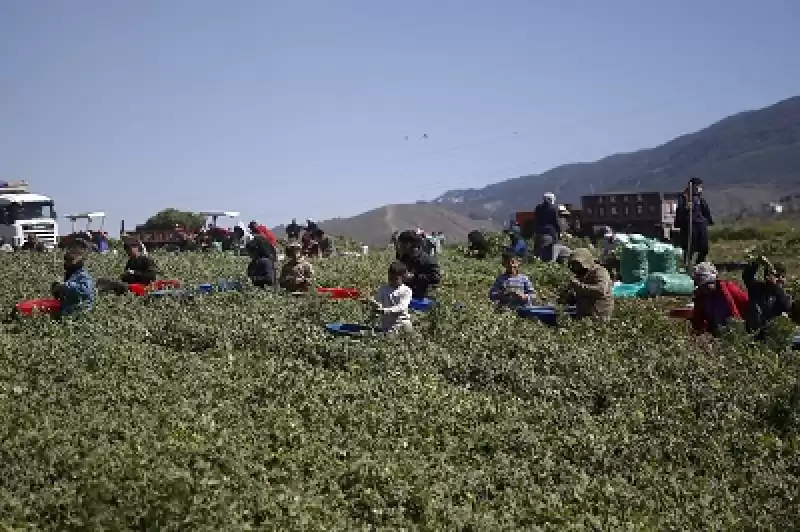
(23, 214)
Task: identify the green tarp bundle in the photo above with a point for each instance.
(669, 284)
(633, 263)
(661, 258)
(622, 290)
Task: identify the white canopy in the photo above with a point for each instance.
(85, 216)
(216, 214)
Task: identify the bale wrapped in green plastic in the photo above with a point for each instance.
(622, 290)
(661, 258)
(637, 239)
(669, 284)
(633, 263)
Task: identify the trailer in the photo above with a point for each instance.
(87, 234)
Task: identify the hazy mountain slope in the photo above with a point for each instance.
(751, 148)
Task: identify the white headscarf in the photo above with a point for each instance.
(704, 273)
(549, 198)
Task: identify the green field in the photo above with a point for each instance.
(238, 411)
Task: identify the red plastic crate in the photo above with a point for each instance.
(43, 306)
(340, 293)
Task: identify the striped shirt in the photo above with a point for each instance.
(506, 283)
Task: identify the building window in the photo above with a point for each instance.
(625, 199)
(613, 211)
(640, 209)
(627, 210)
(612, 199)
(588, 210)
(600, 200)
(602, 211)
(639, 197)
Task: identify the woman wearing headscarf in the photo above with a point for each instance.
(716, 301)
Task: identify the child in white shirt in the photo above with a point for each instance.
(393, 300)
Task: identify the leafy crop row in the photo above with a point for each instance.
(237, 411)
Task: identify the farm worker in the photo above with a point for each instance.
(32, 243)
(5, 247)
(100, 241)
(297, 275)
(261, 269)
(716, 302)
(546, 223)
(393, 300)
(322, 244)
(562, 254)
(76, 293)
(518, 245)
(140, 268)
(423, 270)
(512, 288)
(700, 220)
(767, 298)
(262, 247)
(264, 232)
(590, 288)
(293, 230)
(241, 237)
(478, 244)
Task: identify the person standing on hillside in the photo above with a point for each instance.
(546, 227)
(423, 270)
(693, 211)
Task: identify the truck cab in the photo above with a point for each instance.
(23, 214)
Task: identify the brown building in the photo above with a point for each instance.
(647, 213)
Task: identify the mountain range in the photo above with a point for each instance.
(745, 160)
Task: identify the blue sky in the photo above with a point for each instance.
(300, 108)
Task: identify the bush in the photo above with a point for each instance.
(237, 411)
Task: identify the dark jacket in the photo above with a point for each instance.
(766, 301)
(701, 213)
(261, 272)
(263, 248)
(144, 270)
(477, 241)
(546, 219)
(425, 271)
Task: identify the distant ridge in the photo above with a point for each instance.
(375, 227)
(746, 160)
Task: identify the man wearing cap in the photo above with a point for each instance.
(423, 270)
(698, 217)
(768, 299)
(547, 231)
(716, 301)
(590, 290)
